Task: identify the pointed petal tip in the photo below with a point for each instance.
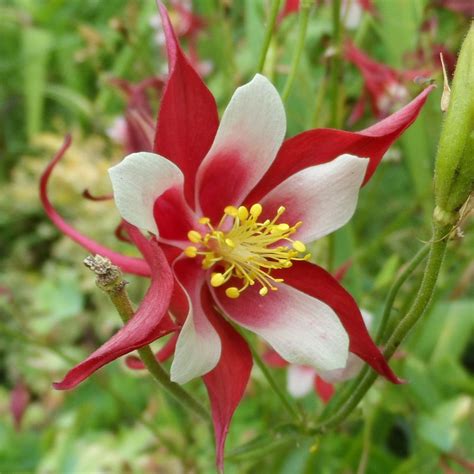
(382, 367)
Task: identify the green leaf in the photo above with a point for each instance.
(440, 429)
(36, 44)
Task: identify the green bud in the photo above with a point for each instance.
(454, 173)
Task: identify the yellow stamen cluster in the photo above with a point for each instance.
(247, 249)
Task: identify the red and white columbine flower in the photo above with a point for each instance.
(237, 249)
(229, 207)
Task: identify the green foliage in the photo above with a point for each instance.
(56, 58)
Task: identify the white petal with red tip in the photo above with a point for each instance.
(323, 197)
(138, 180)
(249, 136)
(197, 351)
(302, 329)
(198, 348)
(300, 380)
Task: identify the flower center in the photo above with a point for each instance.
(247, 249)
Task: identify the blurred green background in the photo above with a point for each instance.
(56, 61)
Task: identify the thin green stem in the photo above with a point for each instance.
(394, 289)
(337, 99)
(341, 397)
(275, 7)
(109, 279)
(303, 27)
(418, 308)
(285, 400)
(315, 121)
(162, 377)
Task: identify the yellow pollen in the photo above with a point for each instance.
(243, 213)
(217, 279)
(299, 246)
(194, 236)
(190, 252)
(256, 210)
(232, 292)
(242, 249)
(231, 211)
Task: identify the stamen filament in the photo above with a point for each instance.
(249, 251)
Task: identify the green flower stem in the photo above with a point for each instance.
(285, 400)
(276, 388)
(315, 120)
(275, 7)
(110, 280)
(337, 96)
(367, 377)
(303, 27)
(394, 289)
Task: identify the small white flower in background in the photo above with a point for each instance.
(118, 130)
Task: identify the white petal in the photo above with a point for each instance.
(249, 136)
(198, 348)
(323, 197)
(352, 368)
(299, 380)
(302, 329)
(354, 363)
(138, 180)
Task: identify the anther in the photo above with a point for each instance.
(194, 236)
(231, 211)
(256, 210)
(243, 213)
(299, 246)
(232, 292)
(217, 279)
(263, 291)
(190, 252)
(204, 220)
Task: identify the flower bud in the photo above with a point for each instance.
(454, 173)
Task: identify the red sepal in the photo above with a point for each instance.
(226, 383)
(273, 359)
(135, 363)
(188, 119)
(321, 145)
(145, 326)
(325, 390)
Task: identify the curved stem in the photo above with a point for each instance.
(419, 307)
(162, 377)
(268, 33)
(396, 285)
(290, 408)
(341, 397)
(303, 27)
(109, 279)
